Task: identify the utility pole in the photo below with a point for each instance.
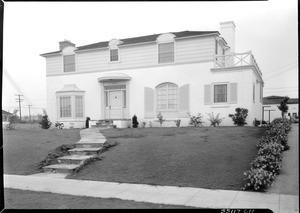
(19, 100)
(29, 113)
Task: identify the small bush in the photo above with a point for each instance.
(177, 122)
(135, 123)
(160, 118)
(150, 124)
(258, 179)
(59, 125)
(144, 124)
(195, 120)
(256, 122)
(45, 122)
(239, 118)
(214, 121)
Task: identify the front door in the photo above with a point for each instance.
(115, 104)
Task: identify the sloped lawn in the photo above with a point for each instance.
(214, 158)
(24, 147)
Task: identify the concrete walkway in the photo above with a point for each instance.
(197, 197)
(288, 180)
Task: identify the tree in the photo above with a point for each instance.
(283, 107)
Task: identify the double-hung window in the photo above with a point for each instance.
(114, 55)
(69, 63)
(166, 52)
(65, 107)
(78, 106)
(220, 93)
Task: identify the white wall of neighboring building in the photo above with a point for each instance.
(293, 108)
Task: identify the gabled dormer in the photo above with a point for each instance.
(166, 48)
(69, 58)
(114, 51)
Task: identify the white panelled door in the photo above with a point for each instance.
(115, 104)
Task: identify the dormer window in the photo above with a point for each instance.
(114, 55)
(166, 52)
(69, 63)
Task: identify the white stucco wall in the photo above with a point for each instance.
(194, 74)
(293, 108)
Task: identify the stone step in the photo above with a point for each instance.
(73, 159)
(90, 143)
(85, 151)
(61, 168)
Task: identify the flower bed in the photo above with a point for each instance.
(267, 165)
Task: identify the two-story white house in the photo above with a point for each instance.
(171, 73)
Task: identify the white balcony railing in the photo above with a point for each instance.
(236, 60)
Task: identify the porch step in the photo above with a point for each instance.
(61, 168)
(73, 159)
(90, 144)
(85, 151)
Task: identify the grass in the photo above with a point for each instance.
(26, 146)
(214, 158)
(20, 199)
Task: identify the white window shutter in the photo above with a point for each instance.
(184, 101)
(233, 93)
(207, 94)
(149, 103)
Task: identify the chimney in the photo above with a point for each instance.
(228, 33)
(65, 43)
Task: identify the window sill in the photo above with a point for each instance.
(223, 105)
(114, 62)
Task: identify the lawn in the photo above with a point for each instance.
(213, 158)
(20, 199)
(24, 147)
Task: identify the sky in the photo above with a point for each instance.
(269, 29)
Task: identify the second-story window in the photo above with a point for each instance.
(114, 55)
(69, 63)
(166, 52)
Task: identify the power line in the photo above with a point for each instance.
(279, 68)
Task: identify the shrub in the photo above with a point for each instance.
(274, 149)
(144, 124)
(150, 124)
(45, 122)
(256, 122)
(177, 122)
(195, 120)
(160, 118)
(239, 118)
(135, 123)
(267, 162)
(214, 121)
(59, 125)
(258, 178)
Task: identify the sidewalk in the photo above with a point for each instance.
(197, 197)
(288, 180)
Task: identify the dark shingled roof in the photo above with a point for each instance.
(278, 99)
(140, 39)
(6, 113)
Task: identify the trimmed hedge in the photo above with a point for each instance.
(267, 165)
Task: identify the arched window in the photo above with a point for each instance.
(167, 96)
